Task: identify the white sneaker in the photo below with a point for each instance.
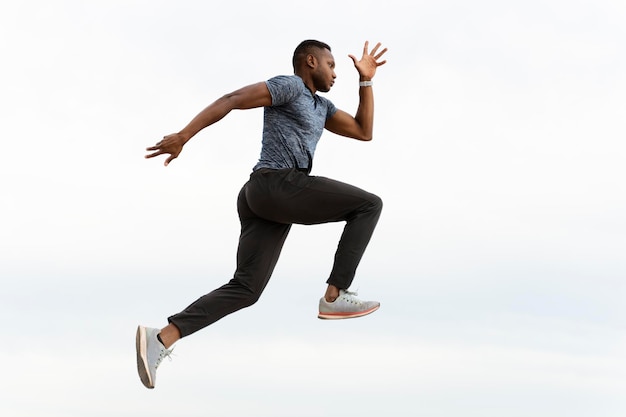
(346, 306)
(150, 354)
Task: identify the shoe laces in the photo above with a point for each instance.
(164, 353)
(350, 296)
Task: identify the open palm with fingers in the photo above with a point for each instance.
(369, 62)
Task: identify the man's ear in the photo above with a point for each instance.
(311, 62)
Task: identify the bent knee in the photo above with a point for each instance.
(376, 203)
(251, 298)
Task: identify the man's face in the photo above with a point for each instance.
(324, 73)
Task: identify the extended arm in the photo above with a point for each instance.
(255, 95)
(360, 126)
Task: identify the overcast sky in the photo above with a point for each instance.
(499, 260)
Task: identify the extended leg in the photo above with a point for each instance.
(260, 244)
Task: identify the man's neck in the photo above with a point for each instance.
(308, 82)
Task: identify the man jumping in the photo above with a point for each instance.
(281, 192)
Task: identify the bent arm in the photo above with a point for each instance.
(361, 126)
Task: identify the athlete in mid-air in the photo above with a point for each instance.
(281, 192)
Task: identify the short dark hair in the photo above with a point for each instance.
(305, 48)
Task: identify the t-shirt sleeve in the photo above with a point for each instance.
(283, 89)
(330, 109)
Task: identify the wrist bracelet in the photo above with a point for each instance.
(366, 83)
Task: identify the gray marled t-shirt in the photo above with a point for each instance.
(293, 124)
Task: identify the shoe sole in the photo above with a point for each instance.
(141, 344)
(340, 316)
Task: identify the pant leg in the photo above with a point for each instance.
(260, 244)
(268, 204)
(291, 196)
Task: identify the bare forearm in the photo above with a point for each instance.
(361, 125)
(251, 96)
(365, 112)
(211, 114)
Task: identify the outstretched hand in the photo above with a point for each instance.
(171, 144)
(369, 61)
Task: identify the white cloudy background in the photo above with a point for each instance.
(499, 260)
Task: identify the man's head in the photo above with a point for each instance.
(314, 63)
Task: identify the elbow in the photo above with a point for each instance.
(367, 133)
(364, 135)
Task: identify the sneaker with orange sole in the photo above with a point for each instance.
(346, 306)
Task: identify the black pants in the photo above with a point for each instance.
(268, 204)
